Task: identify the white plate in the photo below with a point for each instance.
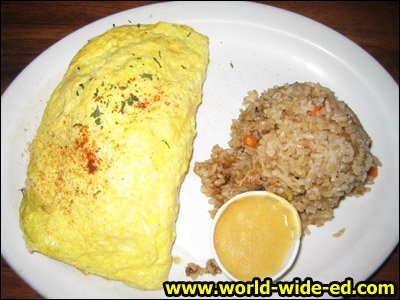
(252, 46)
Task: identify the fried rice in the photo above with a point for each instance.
(306, 146)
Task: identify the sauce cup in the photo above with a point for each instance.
(256, 234)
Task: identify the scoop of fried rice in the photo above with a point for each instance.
(310, 149)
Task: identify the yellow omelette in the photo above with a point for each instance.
(111, 152)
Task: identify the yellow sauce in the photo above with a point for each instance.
(253, 236)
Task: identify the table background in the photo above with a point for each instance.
(30, 27)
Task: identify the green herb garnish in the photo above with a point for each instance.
(145, 75)
(131, 99)
(122, 107)
(157, 61)
(96, 112)
(164, 141)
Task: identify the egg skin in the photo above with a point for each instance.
(112, 150)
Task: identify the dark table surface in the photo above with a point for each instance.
(30, 27)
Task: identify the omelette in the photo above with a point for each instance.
(112, 149)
